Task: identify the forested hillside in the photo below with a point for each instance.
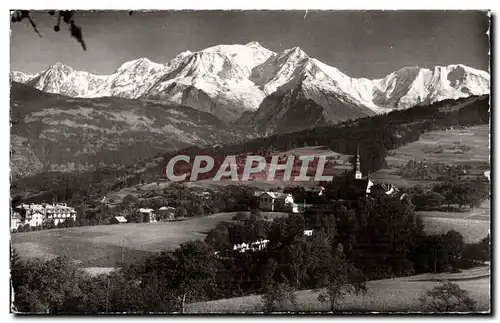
(375, 136)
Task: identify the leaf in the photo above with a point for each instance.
(34, 26)
(77, 33)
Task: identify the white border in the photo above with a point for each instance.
(185, 4)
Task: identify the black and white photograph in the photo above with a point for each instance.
(293, 162)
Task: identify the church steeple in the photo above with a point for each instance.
(357, 167)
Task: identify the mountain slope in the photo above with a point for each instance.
(214, 80)
(54, 132)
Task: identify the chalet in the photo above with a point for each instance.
(149, 215)
(58, 213)
(275, 201)
(118, 220)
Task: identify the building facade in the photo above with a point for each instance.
(274, 201)
(148, 215)
(36, 214)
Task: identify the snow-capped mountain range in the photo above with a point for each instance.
(251, 83)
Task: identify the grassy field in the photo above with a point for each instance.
(389, 175)
(104, 245)
(387, 295)
(466, 146)
(473, 225)
(447, 146)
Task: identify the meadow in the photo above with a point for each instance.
(467, 145)
(105, 245)
(473, 225)
(386, 295)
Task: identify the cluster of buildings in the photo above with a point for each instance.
(35, 215)
(284, 202)
(258, 245)
(150, 215)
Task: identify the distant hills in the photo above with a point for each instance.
(51, 132)
(253, 88)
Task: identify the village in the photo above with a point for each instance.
(34, 215)
(280, 200)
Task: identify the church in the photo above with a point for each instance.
(364, 184)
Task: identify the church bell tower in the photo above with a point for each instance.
(357, 167)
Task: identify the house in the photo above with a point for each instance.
(118, 220)
(15, 221)
(34, 219)
(148, 215)
(275, 201)
(58, 213)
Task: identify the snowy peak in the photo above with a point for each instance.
(280, 69)
(141, 63)
(412, 86)
(227, 80)
(58, 71)
(247, 57)
(254, 44)
(20, 77)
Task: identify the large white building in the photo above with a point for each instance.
(36, 214)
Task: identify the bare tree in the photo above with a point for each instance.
(447, 297)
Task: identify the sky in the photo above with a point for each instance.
(359, 43)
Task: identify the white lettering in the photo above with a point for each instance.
(197, 169)
(170, 168)
(287, 167)
(223, 171)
